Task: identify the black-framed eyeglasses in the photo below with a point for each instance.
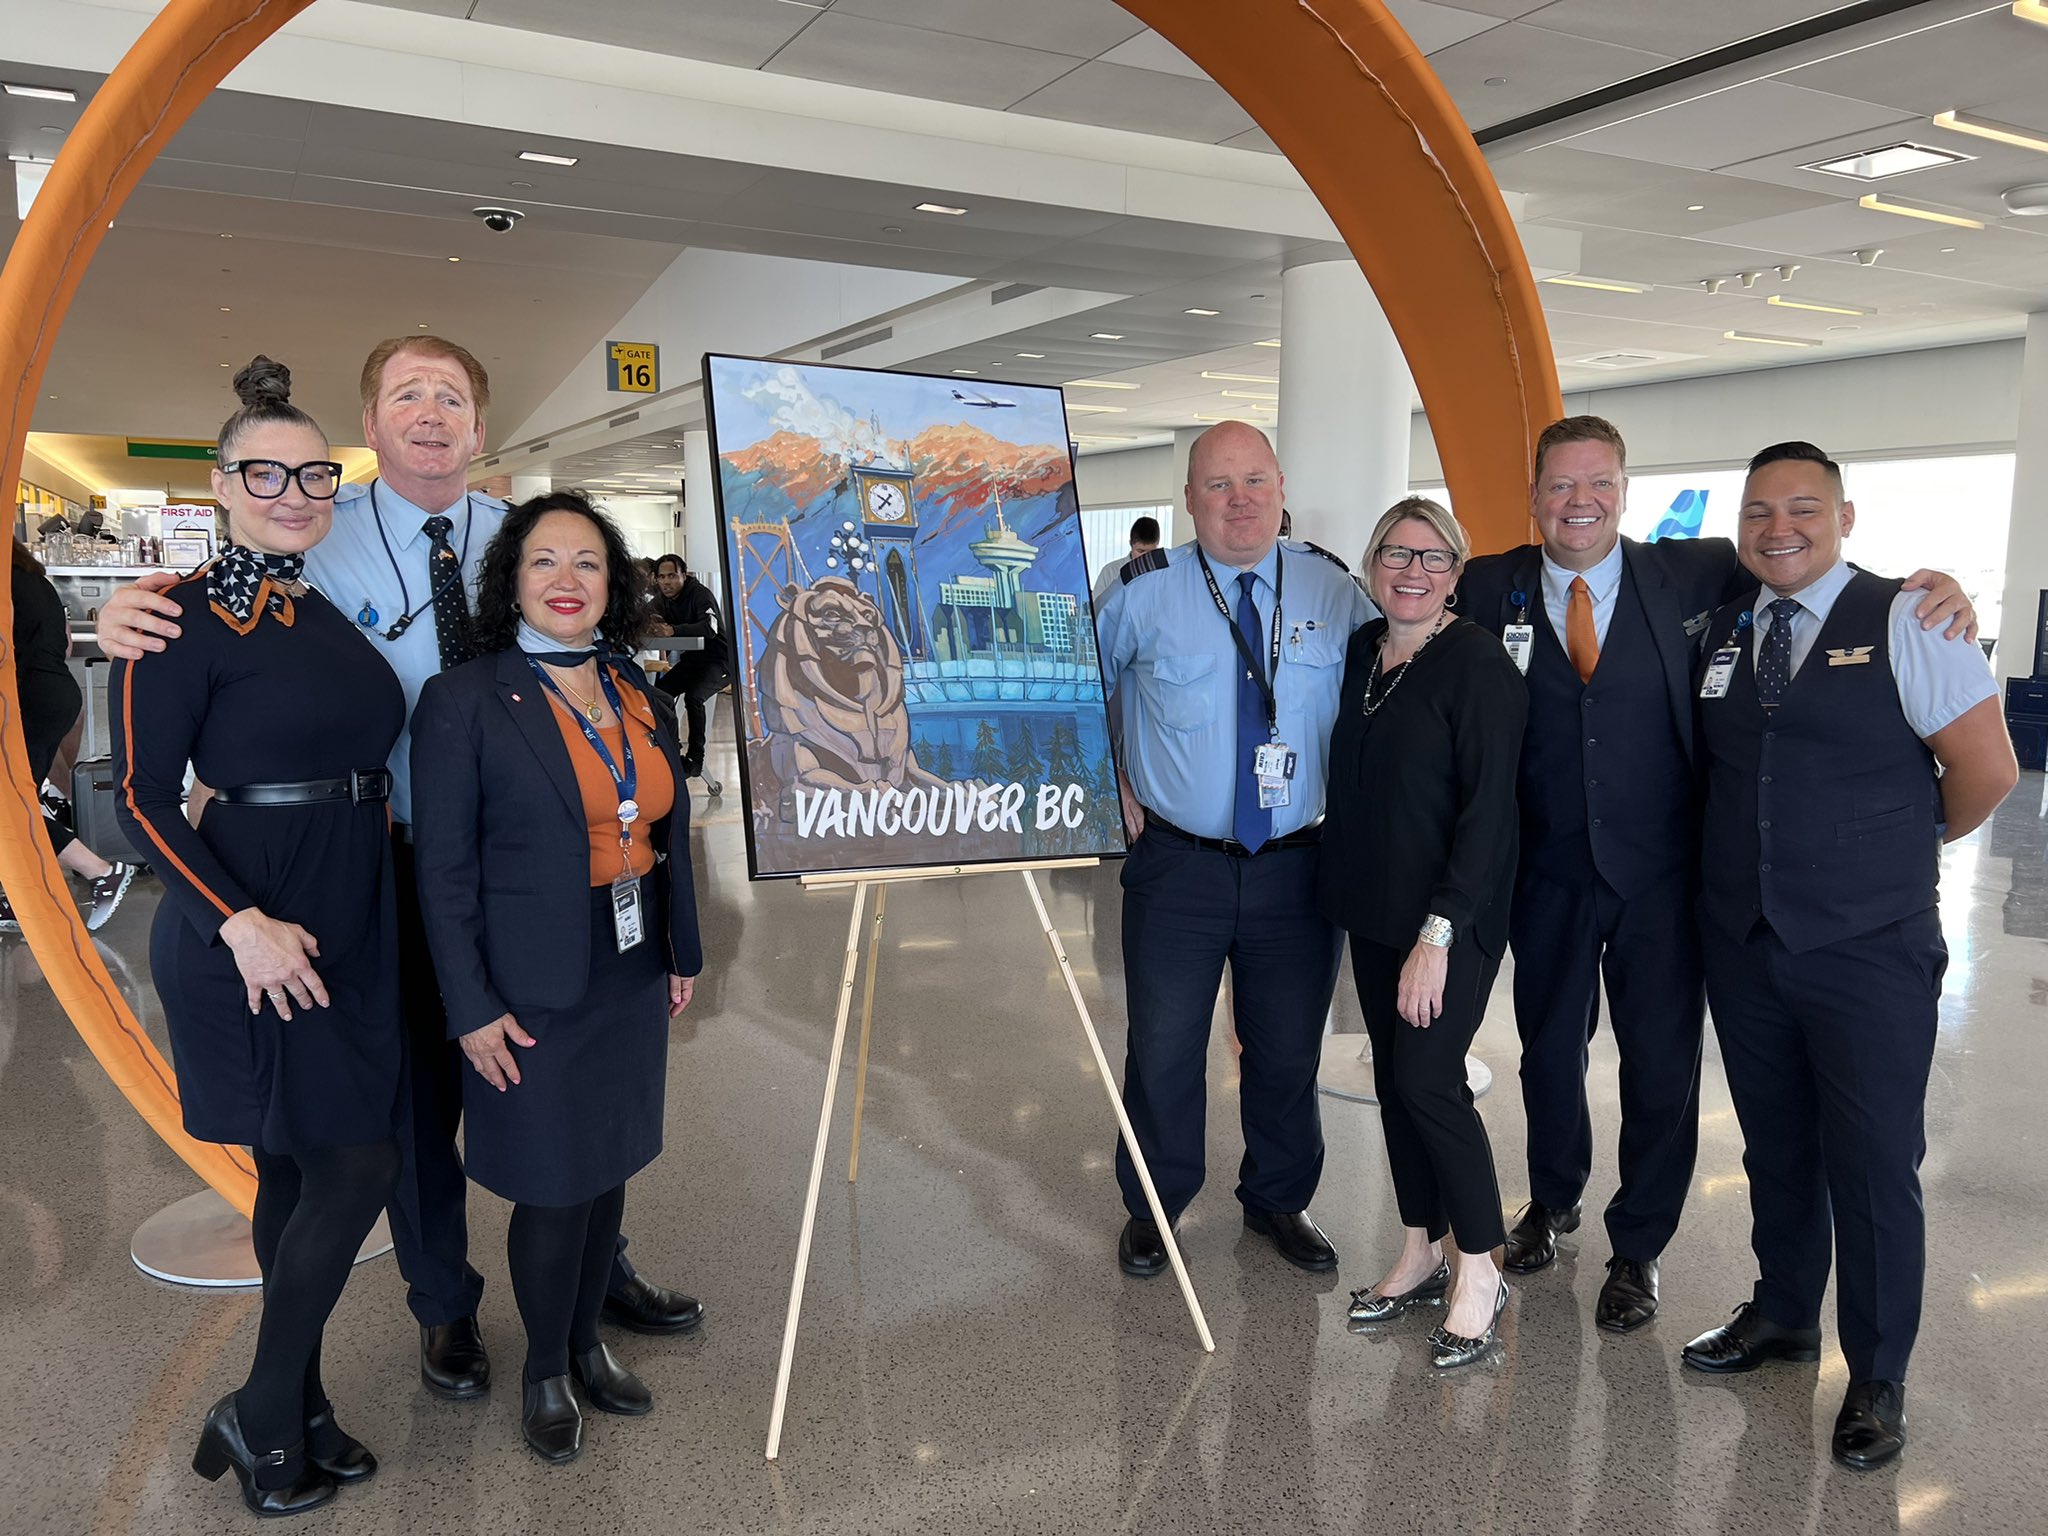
(265, 479)
(1398, 557)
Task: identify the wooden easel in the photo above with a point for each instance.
(880, 881)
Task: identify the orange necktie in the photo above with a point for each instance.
(1581, 640)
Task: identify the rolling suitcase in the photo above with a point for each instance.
(93, 788)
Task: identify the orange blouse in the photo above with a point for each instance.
(655, 791)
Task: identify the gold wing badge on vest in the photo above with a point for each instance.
(1850, 656)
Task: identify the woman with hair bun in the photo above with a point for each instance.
(274, 947)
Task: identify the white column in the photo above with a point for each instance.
(703, 550)
(1345, 404)
(526, 487)
(2026, 539)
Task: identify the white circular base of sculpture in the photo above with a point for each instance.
(1346, 1070)
(201, 1240)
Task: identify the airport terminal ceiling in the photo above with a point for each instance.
(1689, 197)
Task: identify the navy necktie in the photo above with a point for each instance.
(451, 604)
(1250, 823)
(1774, 658)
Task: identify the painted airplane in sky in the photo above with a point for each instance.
(984, 402)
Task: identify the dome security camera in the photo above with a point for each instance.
(498, 220)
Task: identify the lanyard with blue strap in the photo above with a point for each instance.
(627, 923)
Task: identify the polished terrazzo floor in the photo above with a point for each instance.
(971, 1360)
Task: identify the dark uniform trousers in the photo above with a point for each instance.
(1187, 911)
(1607, 791)
(1824, 963)
(430, 1209)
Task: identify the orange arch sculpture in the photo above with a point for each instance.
(1423, 217)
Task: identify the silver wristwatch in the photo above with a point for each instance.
(1435, 930)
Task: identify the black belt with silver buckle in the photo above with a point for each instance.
(361, 785)
(1304, 837)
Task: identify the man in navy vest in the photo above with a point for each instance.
(1824, 711)
(1605, 630)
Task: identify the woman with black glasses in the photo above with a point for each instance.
(274, 949)
(1417, 862)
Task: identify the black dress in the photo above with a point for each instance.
(286, 702)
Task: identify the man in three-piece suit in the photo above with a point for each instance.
(1605, 630)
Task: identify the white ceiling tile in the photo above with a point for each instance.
(1965, 64)
(1730, 126)
(1433, 26)
(1081, 28)
(1148, 50)
(1142, 101)
(1664, 206)
(742, 32)
(1682, 29)
(880, 56)
(1257, 139)
(1540, 68)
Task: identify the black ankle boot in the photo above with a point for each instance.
(550, 1419)
(337, 1452)
(610, 1387)
(298, 1485)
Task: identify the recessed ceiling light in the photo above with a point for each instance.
(892, 229)
(455, 258)
(1031, 354)
(226, 236)
(1877, 204)
(1695, 207)
(31, 160)
(1887, 160)
(1496, 79)
(1845, 327)
(1768, 341)
(224, 365)
(39, 92)
(1098, 384)
(225, 310)
(1095, 410)
(967, 370)
(1241, 378)
(1781, 302)
(1105, 336)
(1273, 343)
(1246, 394)
(52, 128)
(940, 208)
(422, 325)
(1211, 313)
(1595, 282)
(538, 157)
(1986, 128)
(1948, 250)
(523, 186)
(1079, 437)
(1256, 410)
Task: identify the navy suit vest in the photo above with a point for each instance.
(1824, 814)
(1604, 774)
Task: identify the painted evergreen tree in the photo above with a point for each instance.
(1024, 766)
(988, 754)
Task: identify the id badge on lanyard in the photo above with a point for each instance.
(1721, 665)
(628, 922)
(1273, 764)
(1520, 636)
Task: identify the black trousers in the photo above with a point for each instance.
(430, 1209)
(1570, 933)
(1187, 912)
(1437, 1149)
(1827, 1055)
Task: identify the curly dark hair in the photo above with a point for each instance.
(495, 625)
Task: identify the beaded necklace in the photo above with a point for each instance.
(1372, 705)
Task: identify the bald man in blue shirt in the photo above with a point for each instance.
(1225, 657)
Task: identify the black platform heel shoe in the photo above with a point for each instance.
(222, 1446)
(337, 1452)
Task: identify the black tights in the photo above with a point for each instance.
(561, 1262)
(313, 1210)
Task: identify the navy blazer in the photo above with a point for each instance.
(502, 849)
(1681, 582)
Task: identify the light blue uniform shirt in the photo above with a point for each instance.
(1168, 656)
(1602, 583)
(354, 566)
(1939, 679)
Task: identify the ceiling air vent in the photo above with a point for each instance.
(620, 421)
(1627, 357)
(1010, 291)
(841, 348)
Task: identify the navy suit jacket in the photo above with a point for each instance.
(502, 849)
(1681, 581)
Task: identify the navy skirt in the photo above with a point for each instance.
(586, 1114)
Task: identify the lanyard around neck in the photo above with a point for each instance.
(1268, 680)
(625, 780)
(407, 613)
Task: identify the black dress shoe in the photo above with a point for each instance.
(1533, 1242)
(1628, 1299)
(337, 1452)
(1871, 1428)
(1141, 1251)
(1295, 1233)
(609, 1386)
(550, 1419)
(645, 1307)
(295, 1485)
(452, 1359)
(1748, 1342)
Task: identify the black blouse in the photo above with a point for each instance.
(1421, 815)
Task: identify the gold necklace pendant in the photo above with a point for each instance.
(594, 713)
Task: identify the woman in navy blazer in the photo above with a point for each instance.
(551, 828)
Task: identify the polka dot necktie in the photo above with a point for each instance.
(1774, 659)
(1250, 823)
(451, 605)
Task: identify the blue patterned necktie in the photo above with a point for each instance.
(451, 604)
(1250, 823)
(1774, 658)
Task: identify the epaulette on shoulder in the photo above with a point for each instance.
(1151, 560)
(1317, 549)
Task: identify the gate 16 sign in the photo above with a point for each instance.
(633, 367)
